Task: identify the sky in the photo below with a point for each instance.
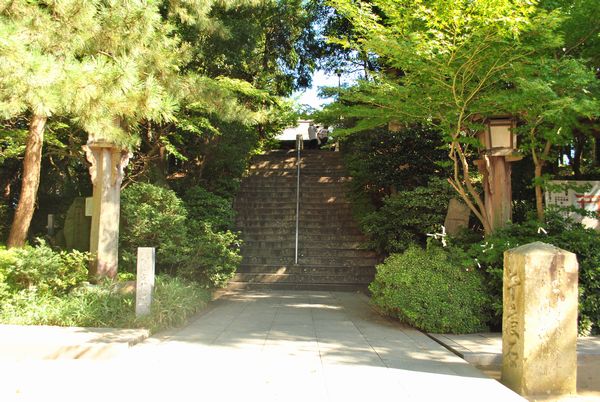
(310, 96)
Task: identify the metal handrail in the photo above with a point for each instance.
(299, 146)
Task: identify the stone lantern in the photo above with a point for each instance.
(499, 142)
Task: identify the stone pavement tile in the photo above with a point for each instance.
(436, 386)
(303, 345)
(362, 383)
(291, 332)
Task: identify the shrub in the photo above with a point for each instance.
(5, 221)
(152, 216)
(378, 159)
(214, 256)
(174, 301)
(42, 270)
(560, 232)
(155, 217)
(428, 291)
(204, 206)
(407, 217)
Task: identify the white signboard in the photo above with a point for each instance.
(89, 206)
(588, 199)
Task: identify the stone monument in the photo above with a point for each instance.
(457, 217)
(539, 322)
(77, 226)
(144, 284)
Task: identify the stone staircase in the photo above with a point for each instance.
(330, 256)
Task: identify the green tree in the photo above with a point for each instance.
(36, 59)
(448, 64)
(107, 66)
(550, 98)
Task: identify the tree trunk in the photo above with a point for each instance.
(580, 142)
(596, 155)
(539, 203)
(30, 182)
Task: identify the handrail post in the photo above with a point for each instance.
(299, 146)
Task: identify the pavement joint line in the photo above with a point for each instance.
(447, 346)
(271, 326)
(366, 339)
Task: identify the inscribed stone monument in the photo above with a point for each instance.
(144, 280)
(539, 322)
(77, 226)
(457, 217)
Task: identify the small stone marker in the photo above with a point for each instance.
(145, 280)
(457, 217)
(50, 226)
(539, 322)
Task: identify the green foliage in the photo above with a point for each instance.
(379, 159)
(5, 219)
(429, 291)
(204, 206)
(407, 216)
(173, 302)
(214, 255)
(152, 216)
(560, 232)
(453, 64)
(274, 45)
(41, 270)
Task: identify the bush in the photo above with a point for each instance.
(42, 270)
(204, 206)
(155, 217)
(560, 232)
(214, 256)
(5, 221)
(379, 159)
(152, 216)
(425, 289)
(407, 217)
(173, 302)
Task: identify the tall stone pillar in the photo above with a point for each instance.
(107, 164)
(539, 321)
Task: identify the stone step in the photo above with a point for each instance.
(276, 180)
(303, 224)
(334, 287)
(306, 269)
(293, 165)
(302, 278)
(303, 238)
(291, 186)
(287, 194)
(307, 252)
(322, 260)
(255, 204)
(316, 216)
(285, 244)
(306, 232)
(270, 174)
(291, 173)
(290, 210)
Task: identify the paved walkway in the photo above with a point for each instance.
(484, 351)
(273, 346)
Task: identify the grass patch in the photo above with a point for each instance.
(173, 302)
